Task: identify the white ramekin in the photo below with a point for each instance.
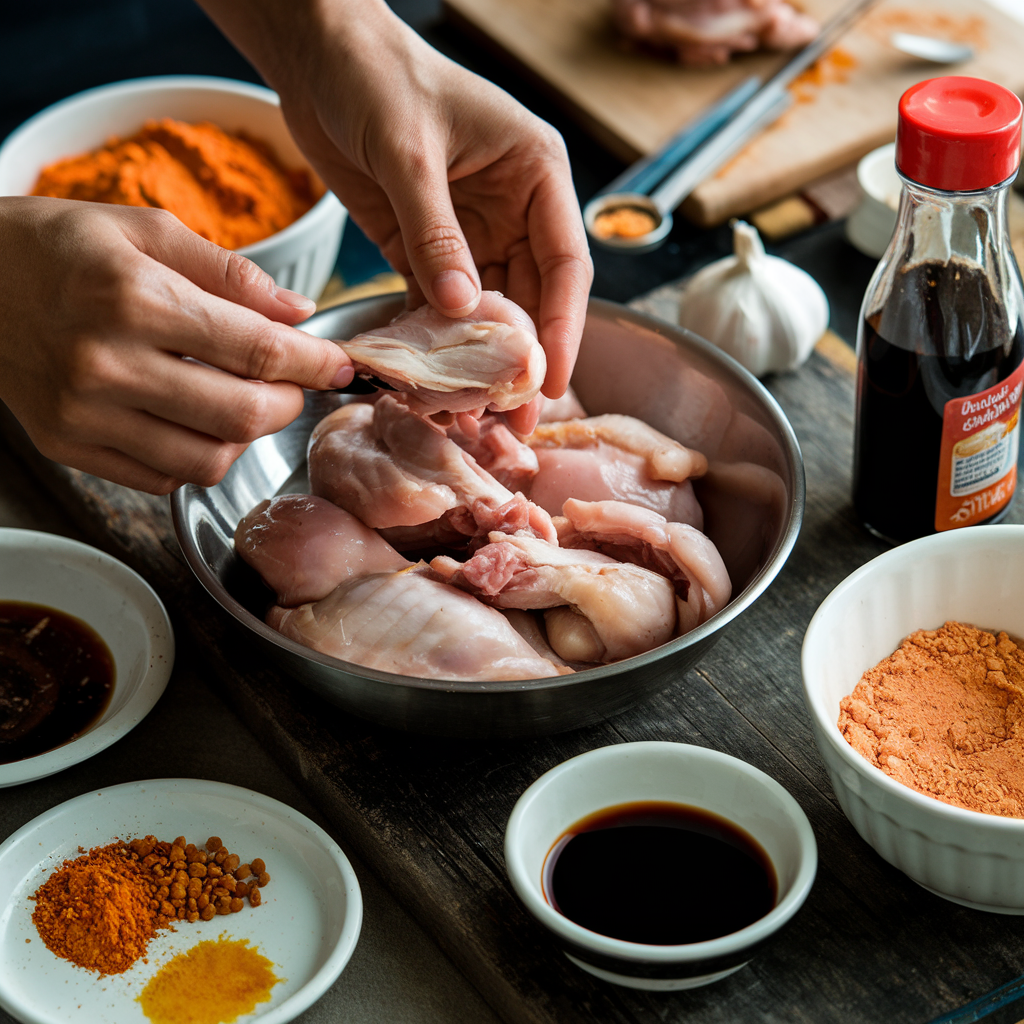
(677, 773)
(871, 225)
(42, 568)
(971, 575)
(300, 257)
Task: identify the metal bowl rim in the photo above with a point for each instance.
(705, 630)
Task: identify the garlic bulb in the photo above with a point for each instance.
(762, 310)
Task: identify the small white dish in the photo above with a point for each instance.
(300, 257)
(307, 925)
(42, 568)
(675, 773)
(871, 225)
(971, 575)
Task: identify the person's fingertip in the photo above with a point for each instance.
(455, 293)
(343, 377)
(296, 300)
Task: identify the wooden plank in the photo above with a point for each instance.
(632, 103)
(428, 817)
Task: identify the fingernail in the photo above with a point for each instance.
(454, 291)
(295, 300)
(343, 377)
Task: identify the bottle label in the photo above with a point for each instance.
(978, 461)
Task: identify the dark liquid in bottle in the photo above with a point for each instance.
(56, 678)
(954, 342)
(660, 873)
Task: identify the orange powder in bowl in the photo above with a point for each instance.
(227, 188)
(944, 715)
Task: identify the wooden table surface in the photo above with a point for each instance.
(428, 816)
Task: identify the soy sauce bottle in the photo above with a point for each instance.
(940, 345)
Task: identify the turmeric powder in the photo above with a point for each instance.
(213, 983)
(227, 188)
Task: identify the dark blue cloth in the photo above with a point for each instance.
(53, 49)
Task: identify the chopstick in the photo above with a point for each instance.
(764, 107)
(645, 174)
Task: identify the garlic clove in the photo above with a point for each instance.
(762, 310)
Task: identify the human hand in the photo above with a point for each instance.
(100, 305)
(459, 185)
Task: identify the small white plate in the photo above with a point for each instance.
(42, 568)
(307, 925)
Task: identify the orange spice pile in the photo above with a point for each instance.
(944, 715)
(101, 910)
(624, 222)
(227, 188)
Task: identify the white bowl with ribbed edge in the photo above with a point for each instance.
(973, 575)
(676, 773)
(300, 256)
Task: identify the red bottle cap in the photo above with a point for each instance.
(958, 134)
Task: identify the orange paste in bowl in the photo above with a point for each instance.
(227, 188)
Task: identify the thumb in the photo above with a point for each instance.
(216, 270)
(437, 250)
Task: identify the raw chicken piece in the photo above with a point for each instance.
(490, 359)
(303, 547)
(410, 623)
(531, 629)
(393, 468)
(496, 449)
(555, 410)
(598, 609)
(704, 32)
(615, 458)
(677, 551)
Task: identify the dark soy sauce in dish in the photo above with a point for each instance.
(56, 679)
(659, 873)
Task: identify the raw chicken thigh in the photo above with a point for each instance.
(409, 623)
(303, 547)
(490, 359)
(393, 468)
(702, 32)
(600, 610)
(615, 458)
(677, 551)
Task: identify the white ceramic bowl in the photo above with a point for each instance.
(677, 773)
(300, 257)
(41, 568)
(971, 575)
(871, 225)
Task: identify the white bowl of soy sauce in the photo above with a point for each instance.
(659, 865)
(86, 650)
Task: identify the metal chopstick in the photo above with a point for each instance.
(765, 107)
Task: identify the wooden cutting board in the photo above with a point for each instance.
(844, 106)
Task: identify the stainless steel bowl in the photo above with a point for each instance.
(753, 499)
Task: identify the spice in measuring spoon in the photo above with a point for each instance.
(624, 222)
